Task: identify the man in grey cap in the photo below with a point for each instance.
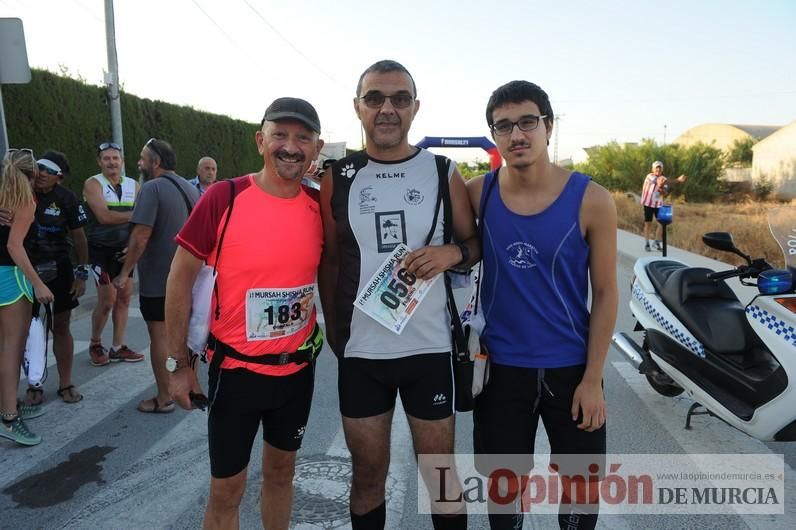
(263, 335)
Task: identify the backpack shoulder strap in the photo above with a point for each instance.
(444, 196)
(182, 192)
(221, 242)
(485, 193)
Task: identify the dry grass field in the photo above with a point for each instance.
(746, 221)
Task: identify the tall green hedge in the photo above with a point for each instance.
(73, 117)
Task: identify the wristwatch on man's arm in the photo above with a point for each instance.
(173, 364)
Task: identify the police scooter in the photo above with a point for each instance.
(738, 363)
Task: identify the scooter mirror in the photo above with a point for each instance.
(719, 241)
(723, 241)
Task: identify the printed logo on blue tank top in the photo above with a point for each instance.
(521, 255)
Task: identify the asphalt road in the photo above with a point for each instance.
(102, 464)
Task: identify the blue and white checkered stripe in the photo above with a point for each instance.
(679, 335)
(784, 330)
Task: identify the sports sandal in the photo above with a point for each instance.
(151, 406)
(34, 396)
(70, 394)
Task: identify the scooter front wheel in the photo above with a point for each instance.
(663, 387)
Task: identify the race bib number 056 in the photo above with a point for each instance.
(277, 313)
(392, 295)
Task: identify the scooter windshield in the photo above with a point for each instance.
(782, 223)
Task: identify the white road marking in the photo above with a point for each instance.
(64, 421)
(149, 487)
(709, 435)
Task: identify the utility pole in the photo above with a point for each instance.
(112, 75)
(664, 134)
(555, 141)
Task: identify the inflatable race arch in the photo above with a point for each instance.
(495, 161)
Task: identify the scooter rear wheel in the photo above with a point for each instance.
(664, 388)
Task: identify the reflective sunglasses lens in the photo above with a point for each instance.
(401, 101)
(374, 100)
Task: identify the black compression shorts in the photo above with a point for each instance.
(241, 400)
(506, 416)
(367, 387)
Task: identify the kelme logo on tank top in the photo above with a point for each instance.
(521, 255)
(413, 197)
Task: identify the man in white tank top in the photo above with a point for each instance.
(372, 202)
(110, 197)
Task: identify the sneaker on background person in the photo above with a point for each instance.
(123, 353)
(98, 355)
(17, 431)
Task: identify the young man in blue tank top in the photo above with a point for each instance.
(546, 232)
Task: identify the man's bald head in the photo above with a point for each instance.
(206, 170)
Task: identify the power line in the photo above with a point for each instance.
(226, 35)
(294, 47)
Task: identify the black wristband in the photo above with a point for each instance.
(465, 253)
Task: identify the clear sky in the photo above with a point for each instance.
(614, 70)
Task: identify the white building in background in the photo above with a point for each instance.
(775, 159)
(723, 135)
(335, 150)
(582, 155)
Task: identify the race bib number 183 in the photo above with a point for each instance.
(277, 313)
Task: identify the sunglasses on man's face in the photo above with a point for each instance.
(48, 170)
(375, 100)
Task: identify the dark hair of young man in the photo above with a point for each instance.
(518, 92)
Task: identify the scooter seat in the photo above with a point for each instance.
(709, 309)
(660, 270)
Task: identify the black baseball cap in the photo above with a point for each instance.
(293, 108)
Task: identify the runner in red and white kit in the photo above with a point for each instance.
(652, 194)
(267, 264)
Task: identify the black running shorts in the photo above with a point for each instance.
(153, 308)
(506, 416)
(650, 213)
(367, 387)
(241, 400)
(105, 264)
(61, 286)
